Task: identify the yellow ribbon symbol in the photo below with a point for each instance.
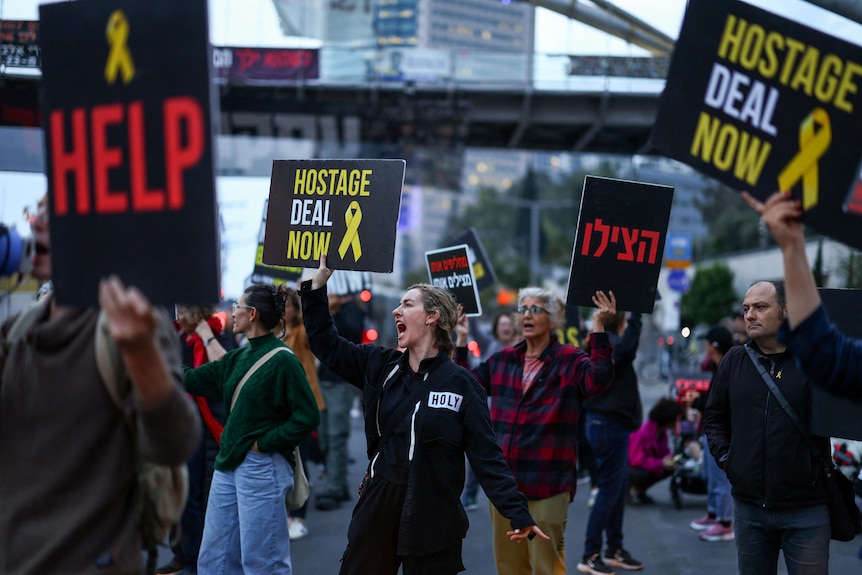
(815, 136)
(352, 217)
(119, 58)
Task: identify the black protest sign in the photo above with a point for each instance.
(483, 271)
(347, 209)
(833, 416)
(264, 273)
(762, 103)
(450, 268)
(619, 242)
(126, 104)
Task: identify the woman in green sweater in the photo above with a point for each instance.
(245, 530)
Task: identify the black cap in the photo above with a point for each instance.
(720, 338)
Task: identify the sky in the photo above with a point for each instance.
(254, 22)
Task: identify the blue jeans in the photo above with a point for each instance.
(802, 533)
(334, 432)
(718, 498)
(610, 444)
(245, 530)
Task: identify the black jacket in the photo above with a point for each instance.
(432, 517)
(621, 402)
(767, 460)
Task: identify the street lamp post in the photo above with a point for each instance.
(535, 207)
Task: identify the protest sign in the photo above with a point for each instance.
(483, 271)
(19, 44)
(833, 416)
(347, 209)
(450, 268)
(762, 103)
(126, 102)
(619, 242)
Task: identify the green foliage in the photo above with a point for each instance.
(711, 296)
(502, 219)
(733, 226)
(850, 269)
(817, 270)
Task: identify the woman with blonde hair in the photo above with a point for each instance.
(422, 414)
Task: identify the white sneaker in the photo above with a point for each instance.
(297, 530)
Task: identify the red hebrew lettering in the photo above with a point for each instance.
(630, 237)
(653, 237)
(588, 232)
(605, 231)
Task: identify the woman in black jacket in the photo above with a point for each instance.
(422, 414)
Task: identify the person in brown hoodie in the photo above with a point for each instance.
(68, 484)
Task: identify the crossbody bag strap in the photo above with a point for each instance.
(782, 401)
(251, 371)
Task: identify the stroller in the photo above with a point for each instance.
(687, 475)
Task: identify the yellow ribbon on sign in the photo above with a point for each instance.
(119, 58)
(815, 136)
(352, 217)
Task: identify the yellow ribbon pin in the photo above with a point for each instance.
(815, 136)
(352, 217)
(119, 58)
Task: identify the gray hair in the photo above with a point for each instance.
(554, 305)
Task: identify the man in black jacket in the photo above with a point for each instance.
(778, 486)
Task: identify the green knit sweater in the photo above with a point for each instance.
(275, 407)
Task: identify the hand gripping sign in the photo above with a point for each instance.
(347, 209)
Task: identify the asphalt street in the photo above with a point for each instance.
(659, 535)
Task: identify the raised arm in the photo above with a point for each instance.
(781, 213)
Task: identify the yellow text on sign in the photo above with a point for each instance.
(333, 182)
(792, 63)
(302, 245)
(728, 148)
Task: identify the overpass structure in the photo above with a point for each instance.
(587, 114)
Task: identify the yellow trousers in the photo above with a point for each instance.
(536, 557)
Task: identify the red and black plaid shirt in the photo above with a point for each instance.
(538, 430)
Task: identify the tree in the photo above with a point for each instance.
(817, 270)
(711, 297)
(850, 269)
(733, 226)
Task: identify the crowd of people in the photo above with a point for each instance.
(281, 371)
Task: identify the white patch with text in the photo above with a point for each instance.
(445, 400)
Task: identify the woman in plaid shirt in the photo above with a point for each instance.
(536, 388)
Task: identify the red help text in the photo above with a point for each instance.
(184, 144)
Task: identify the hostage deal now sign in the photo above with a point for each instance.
(126, 104)
(762, 103)
(347, 209)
